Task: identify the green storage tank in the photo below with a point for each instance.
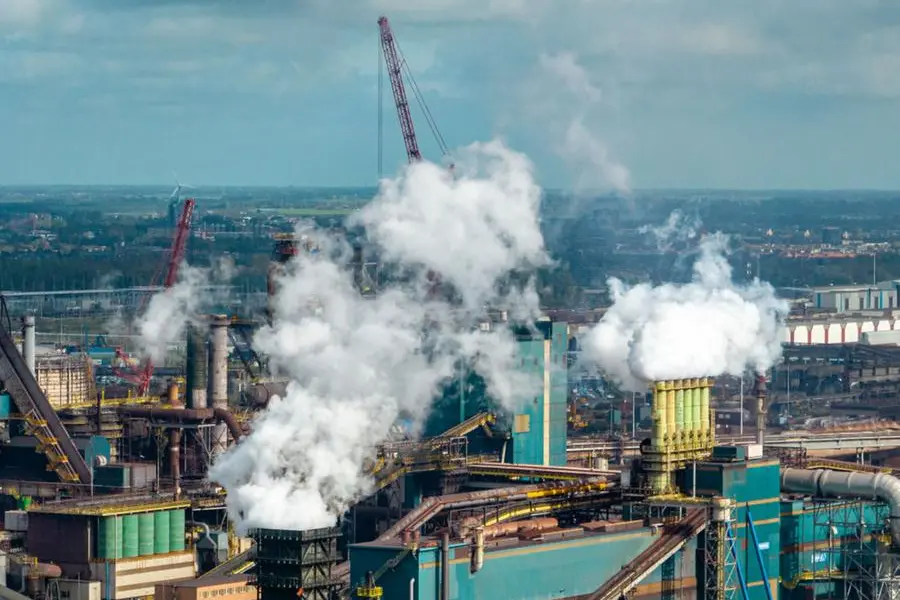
(109, 537)
(161, 532)
(130, 546)
(145, 534)
(176, 530)
(25, 502)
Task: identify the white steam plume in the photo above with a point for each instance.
(708, 327)
(357, 364)
(169, 311)
(581, 147)
(677, 228)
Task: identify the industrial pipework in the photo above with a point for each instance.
(28, 343)
(825, 483)
(197, 365)
(218, 360)
(682, 429)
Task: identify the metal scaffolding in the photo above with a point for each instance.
(720, 574)
(852, 549)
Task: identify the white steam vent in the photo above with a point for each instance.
(708, 327)
(359, 363)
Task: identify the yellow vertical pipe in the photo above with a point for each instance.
(659, 416)
(704, 411)
(689, 412)
(695, 412)
(670, 414)
(697, 419)
(679, 414)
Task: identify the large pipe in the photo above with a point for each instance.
(659, 416)
(478, 551)
(705, 434)
(671, 424)
(761, 409)
(28, 344)
(838, 484)
(187, 415)
(197, 364)
(679, 413)
(445, 566)
(218, 360)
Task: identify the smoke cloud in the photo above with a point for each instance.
(708, 327)
(586, 153)
(677, 228)
(357, 364)
(169, 311)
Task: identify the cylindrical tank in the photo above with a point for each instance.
(658, 433)
(130, 536)
(145, 534)
(197, 365)
(176, 530)
(679, 413)
(172, 395)
(670, 412)
(109, 537)
(218, 378)
(161, 532)
(704, 407)
(28, 343)
(695, 392)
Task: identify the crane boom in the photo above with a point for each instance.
(176, 254)
(394, 68)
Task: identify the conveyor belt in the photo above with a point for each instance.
(239, 563)
(536, 471)
(54, 440)
(469, 425)
(674, 538)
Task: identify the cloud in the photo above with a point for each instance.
(648, 79)
(565, 66)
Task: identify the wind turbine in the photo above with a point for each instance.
(175, 197)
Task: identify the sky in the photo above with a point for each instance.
(601, 94)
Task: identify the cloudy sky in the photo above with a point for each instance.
(600, 93)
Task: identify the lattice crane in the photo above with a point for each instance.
(396, 66)
(172, 264)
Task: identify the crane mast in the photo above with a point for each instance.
(394, 68)
(176, 255)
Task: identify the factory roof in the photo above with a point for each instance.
(109, 507)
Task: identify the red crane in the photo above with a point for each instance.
(396, 65)
(175, 256)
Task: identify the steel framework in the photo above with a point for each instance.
(852, 549)
(720, 573)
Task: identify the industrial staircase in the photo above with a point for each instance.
(53, 439)
(674, 538)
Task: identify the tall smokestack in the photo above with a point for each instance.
(218, 355)
(761, 409)
(28, 341)
(197, 364)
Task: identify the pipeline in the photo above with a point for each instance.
(186, 415)
(836, 484)
(435, 504)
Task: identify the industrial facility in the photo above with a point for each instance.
(107, 495)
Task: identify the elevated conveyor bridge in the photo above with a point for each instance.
(672, 540)
(43, 423)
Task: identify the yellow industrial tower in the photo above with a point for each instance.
(682, 429)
